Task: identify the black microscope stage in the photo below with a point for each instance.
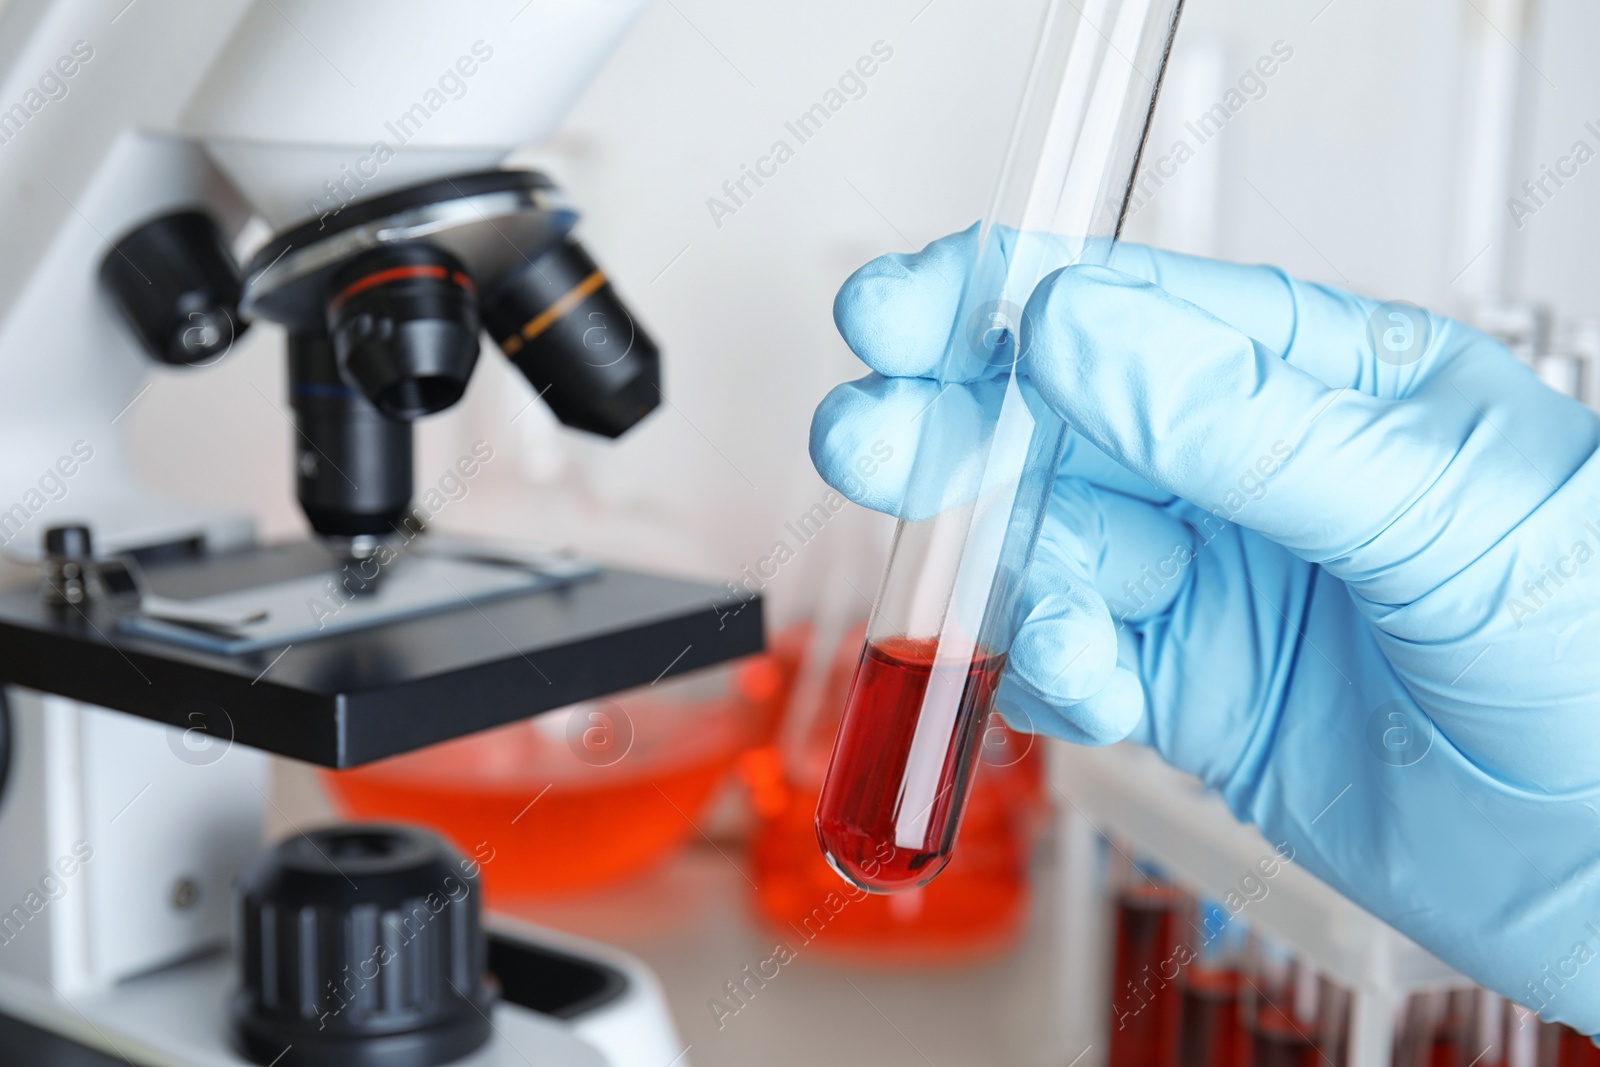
(348, 698)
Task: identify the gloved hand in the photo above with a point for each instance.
(1342, 566)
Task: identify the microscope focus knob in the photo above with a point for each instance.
(360, 946)
(68, 562)
(178, 286)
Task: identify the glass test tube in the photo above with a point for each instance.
(988, 449)
(1210, 1033)
(1147, 910)
(1292, 1015)
(1427, 1032)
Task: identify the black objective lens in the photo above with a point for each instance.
(178, 286)
(352, 462)
(568, 332)
(404, 323)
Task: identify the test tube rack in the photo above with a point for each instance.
(1126, 793)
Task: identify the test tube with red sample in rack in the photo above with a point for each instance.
(1210, 1031)
(1144, 998)
(1293, 1015)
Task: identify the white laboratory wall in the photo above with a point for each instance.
(1345, 167)
(1556, 246)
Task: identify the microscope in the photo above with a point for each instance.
(152, 651)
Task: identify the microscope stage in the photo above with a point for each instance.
(341, 699)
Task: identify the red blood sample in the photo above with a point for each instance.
(1435, 1030)
(1576, 1050)
(1143, 1001)
(903, 761)
(1278, 1041)
(1210, 1033)
(1445, 1050)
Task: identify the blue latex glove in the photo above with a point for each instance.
(1347, 575)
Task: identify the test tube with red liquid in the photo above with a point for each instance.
(1293, 1016)
(986, 455)
(1144, 999)
(1477, 1028)
(1576, 1050)
(1435, 1029)
(1210, 1031)
(893, 845)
